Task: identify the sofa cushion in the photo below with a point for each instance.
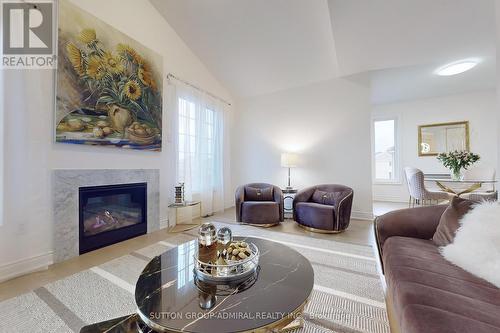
(260, 212)
(476, 247)
(258, 194)
(314, 215)
(324, 198)
(448, 224)
(432, 295)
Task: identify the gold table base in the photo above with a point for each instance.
(296, 324)
(447, 189)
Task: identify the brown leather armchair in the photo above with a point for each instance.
(259, 204)
(323, 208)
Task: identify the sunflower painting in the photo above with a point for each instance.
(109, 88)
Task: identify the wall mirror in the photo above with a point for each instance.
(440, 138)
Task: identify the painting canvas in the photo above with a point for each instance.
(109, 86)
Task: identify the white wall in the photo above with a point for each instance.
(478, 108)
(497, 107)
(26, 234)
(327, 123)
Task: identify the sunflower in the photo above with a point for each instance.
(132, 90)
(146, 77)
(76, 58)
(96, 68)
(128, 52)
(112, 63)
(87, 36)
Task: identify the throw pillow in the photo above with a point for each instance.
(259, 194)
(324, 198)
(448, 224)
(476, 247)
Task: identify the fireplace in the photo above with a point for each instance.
(110, 214)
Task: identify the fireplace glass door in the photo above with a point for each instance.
(112, 213)
(104, 213)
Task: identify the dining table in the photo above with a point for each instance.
(458, 187)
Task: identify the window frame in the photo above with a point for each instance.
(397, 151)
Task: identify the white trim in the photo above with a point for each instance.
(25, 266)
(388, 182)
(349, 296)
(114, 279)
(357, 256)
(390, 198)
(362, 215)
(164, 223)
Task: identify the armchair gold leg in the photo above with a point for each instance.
(319, 231)
(263, 225)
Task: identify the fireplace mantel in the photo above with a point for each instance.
(66, 184)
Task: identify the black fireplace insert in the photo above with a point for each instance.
(110, 214)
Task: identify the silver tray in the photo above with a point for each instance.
(234, 270)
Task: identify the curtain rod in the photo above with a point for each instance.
(170, 75)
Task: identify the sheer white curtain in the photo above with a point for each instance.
(199, 140)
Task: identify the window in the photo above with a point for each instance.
(187, 137)
(196, 144)
(385, 159)
(200, 144)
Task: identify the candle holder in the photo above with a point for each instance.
(179, 194)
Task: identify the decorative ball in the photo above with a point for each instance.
(225, 235)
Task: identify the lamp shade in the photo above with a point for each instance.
(289, 160)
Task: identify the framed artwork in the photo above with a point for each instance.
(109, 86)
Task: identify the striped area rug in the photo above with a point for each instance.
(347, 296)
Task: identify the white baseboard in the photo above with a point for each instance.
(26, 266)
(362, 216)
(164, 223)
(387, 198)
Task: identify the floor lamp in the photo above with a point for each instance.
(289, 160)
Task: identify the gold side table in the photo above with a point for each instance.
(180, 227)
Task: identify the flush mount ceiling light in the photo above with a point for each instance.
(457, 67)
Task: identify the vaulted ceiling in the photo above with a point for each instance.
(257, 46)
(261, 46)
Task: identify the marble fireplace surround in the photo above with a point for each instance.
(66, 183)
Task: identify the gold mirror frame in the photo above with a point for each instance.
(421, 127)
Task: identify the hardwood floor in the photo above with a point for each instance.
(359, 232)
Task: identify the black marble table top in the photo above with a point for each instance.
(170, 298)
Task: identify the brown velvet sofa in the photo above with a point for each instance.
(259, 204)
(426, 293)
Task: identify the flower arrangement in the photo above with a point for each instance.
(121, 78)
(457, 160)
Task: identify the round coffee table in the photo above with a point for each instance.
(170, 298)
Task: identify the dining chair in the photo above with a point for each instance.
(419, 195)
(487, 192)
